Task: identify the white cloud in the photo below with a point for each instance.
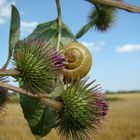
(127, 48)
(4, 11)
(2, 21)
(94, 47)
(22, 13)
(27, 27)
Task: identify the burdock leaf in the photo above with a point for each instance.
(40, 118)
(14, 28)
(14, 32)
(58, 89)
(48, 32)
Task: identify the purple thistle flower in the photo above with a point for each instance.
(57, 59)
(102, 106)
(38, 64)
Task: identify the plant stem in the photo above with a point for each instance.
(117, 4)
(85, 28)
(12, 72)
(6, 63)
(57, 105)
(59, 20)
(43, 97)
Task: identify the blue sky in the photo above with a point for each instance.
(116, 53)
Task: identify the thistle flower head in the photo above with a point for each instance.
(3, 96)
(104, 15)
(83, 108)
(37, 64)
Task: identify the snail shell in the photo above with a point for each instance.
(79, 61)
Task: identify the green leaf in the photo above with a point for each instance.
(48, 32)
(14, 32)
(40, 118)
(14, 28)
(58, 90)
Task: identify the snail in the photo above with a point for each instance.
(79, 61)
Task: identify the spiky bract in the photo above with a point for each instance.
(3, 96)
(37, 65)
(104, 16)
(81, 114)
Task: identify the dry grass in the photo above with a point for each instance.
(122, 123)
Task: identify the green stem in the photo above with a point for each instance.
(59, 23)
(11, 72)
(117, 4)
(6, 63)
(85, 28)
(43, 97)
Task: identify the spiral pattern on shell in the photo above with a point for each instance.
(79, 61)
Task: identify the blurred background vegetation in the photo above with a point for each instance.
(122, 122)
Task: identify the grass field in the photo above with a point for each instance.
(122, 122)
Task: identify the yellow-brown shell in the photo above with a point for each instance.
(79, 61)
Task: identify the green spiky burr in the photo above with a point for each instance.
(104, 17)
(81, 112)
(37, 65)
